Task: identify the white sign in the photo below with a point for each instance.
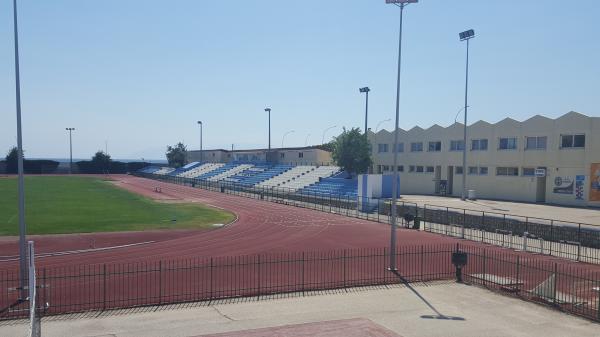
(540, 172)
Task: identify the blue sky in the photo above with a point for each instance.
(139, 74)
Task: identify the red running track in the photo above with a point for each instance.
(261, 227)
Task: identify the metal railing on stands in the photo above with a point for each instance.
(576, 241)
(84, 288)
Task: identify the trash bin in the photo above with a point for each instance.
(417, 224)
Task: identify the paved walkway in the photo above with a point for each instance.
(571, 214)
(408, 312)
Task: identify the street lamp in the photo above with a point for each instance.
(381, 122)
(21, 181)
(466, 36)
(285, 134)
(401, 4)
(70, 149)
(269, 151)
(366, 91)
(201, 153)
(324, 132)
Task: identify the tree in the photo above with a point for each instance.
(12, 160)
(176, 155)
(352, 151)
(101, 161)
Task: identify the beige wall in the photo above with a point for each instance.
(211, 156)
(566, 164)
(304, 157)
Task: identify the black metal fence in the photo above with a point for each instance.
(83, 288)
(101, 287)
(549, 230)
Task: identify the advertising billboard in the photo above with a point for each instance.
(595, 182)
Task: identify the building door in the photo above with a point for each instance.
(450, 179)
(438, 179)
(541, 188)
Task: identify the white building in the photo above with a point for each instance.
(538, 160)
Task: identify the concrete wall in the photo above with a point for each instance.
(563, 165)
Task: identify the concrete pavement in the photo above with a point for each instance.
(436, 309)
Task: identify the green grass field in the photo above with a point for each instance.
(55, 205)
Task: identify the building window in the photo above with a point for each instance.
(507, 144)
(416, 147)
(401, 168)
(435, 147)
(472, 170)
(429, 169)
(507, 171)
(458, 170)
(536, 143)
(572, 141)
(379, 169)
(528, 172)
(399, 147)
(300, 154)
(479, 145)
(382, 148)
(457, 145)
(483, 171)
(411, 168)
(213, 154)
(282, 155)
(420, 169)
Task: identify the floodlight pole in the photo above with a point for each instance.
(70, 149)
(366, 91)
(269, 151)
(395, 186)
(21, 181)
(468, 35)
(201, 152)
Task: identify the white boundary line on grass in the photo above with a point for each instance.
(79, 251)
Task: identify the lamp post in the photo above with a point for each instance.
(284, 135)
(465, 36)
(201, 152)
(325, 131)
(366, 91)
(381, 122)
(268, 110)
(392, 267)
(70, 149)
(21, 181)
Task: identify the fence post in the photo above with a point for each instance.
(211, 279)
(484, 263)
(518, 267)
(104, 287)
(44, 287)
(422, 262)
(551, 235)
(302, 273)
(160, 286)
(258, 265)
(483, 227)
(344, 268)
(464, 221)
(555, 281)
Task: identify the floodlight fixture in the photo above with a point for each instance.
(468, 34)
(401, 2)
(365, 89)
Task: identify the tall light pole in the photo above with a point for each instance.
(268, 110)
(22, 229)
(366, 91)
(70, 149)
(466, 36)
(381, 122)
(284, 135)
(325, 131)
(401, 4)
(201, 153)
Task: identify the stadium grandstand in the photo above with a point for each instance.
(305, 179)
